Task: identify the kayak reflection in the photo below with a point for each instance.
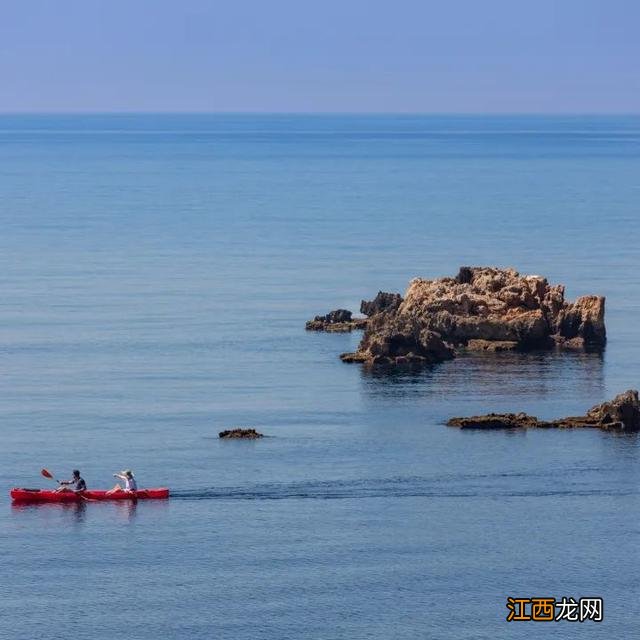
(77, 510)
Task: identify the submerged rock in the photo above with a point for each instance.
(339, 320)
(248, 434)
(482, 308)
(620, 414)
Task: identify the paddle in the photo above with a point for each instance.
(47, 474)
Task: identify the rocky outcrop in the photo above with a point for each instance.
(382, 302)
(397, 339)
(623, 410)
(482, 308)
(247, 434)
(580, 323)
(620, 414)
(339, 321)
(495, 421)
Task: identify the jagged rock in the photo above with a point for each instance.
(336, 316)
(247, 434)
(395, 339)
(621, 414)
(584, 319)
(481, 305)
(623, 409)
(339, 320)
(381, 302)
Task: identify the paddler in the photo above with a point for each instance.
(130, 484)
(79, 485)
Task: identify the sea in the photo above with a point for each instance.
(156, 274)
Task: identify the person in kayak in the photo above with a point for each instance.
(79, 485)
(130, 484)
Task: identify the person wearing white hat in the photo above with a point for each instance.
(130, 484)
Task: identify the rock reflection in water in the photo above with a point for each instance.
(480, 375)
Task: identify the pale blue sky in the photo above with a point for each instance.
(322, 55)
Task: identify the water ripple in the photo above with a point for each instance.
(412, 487)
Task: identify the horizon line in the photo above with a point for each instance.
(96, 112)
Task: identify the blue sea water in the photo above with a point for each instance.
(156, 274)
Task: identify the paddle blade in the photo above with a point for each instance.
(47, 474)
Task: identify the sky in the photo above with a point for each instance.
(399, 56)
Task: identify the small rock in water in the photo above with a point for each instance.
(247, 434)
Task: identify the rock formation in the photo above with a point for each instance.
(392, 338)
(339, 320)
(247, 434)
(381, 302)
(483, 308)
(620, 414)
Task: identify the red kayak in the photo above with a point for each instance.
(42, 495)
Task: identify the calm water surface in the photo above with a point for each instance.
(156, 273)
